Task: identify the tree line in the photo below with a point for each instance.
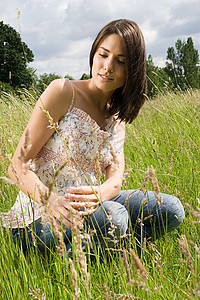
(181, 70)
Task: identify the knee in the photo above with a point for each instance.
(117, 215)
(174, 210)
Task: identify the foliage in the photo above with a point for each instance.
(69, 77)
(85, 76)
(44, 80)
(14, 57)
(157, 79)
(165, 135)
(6, 87)
(183, 66)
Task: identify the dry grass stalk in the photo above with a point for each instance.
(125, 176)
(194, 213)
(195, 292)
(129, 195)
(156, 258)
(74, 279)
(140, 284)
(10, 115)
(140, 267)
(80, 254)
(196, 248)
(146, 177)
(127, 267)
(8, 180)
(98, 168)
(157, 289)
(153, 247)
(106, 292)
(127, 296)
(154, 182)
(25, 165)
(26, 147)
(1, 156)
(183, 246)
(36, 294)
(51, 125)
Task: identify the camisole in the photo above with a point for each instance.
(81, 151)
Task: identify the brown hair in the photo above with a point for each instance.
(126, 101)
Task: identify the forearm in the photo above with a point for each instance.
(110, 188)
(28, 182)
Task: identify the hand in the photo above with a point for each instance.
(85, 199)
(60, 210)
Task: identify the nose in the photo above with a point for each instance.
(109, 66)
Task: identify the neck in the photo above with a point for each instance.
(99, 96)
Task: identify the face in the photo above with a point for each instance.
(108, 69)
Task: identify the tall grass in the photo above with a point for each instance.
(166, 135)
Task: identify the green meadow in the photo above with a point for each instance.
(166, 135)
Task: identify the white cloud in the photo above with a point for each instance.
(159, 61)
(150, 35)
(60, 33)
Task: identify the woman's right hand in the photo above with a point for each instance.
(61, 211)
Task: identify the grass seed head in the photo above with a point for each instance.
(184, 248)
(141, 269)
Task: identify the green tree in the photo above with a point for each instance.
(156, 78)
(69, 77)
(183, 64)
(14, 58)
(85, 76)
(45, 79)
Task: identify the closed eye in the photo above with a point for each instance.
(103, 55)
(121, 62)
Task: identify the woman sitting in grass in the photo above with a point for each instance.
(75, 134)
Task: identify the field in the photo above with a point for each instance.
(166, 135)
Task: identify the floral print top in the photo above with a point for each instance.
(80, 149)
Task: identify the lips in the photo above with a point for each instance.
(106, 77)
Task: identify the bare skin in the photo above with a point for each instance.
(92, 97)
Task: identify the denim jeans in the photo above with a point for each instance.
(143, 213)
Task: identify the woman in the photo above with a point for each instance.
(76, 132)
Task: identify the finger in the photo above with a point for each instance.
(83, 190)
(87, 212)
(81, 198)
(84, 205)
(62, 211)
(60, 218)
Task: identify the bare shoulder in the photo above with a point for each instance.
(121, 128)
(80, 86)
(57, 98)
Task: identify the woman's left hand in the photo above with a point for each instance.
(85, 199)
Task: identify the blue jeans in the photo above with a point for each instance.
(144, 214)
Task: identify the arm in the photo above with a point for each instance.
(56, 100)
(106, 191)
(114, 172)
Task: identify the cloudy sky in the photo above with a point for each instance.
(60, 32)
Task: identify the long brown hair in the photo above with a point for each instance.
(127, 100)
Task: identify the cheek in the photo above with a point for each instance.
(93, 70)
(94, 65)
(123, 77)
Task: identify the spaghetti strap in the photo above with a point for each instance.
(73, 95)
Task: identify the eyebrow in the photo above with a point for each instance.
(122, 55)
